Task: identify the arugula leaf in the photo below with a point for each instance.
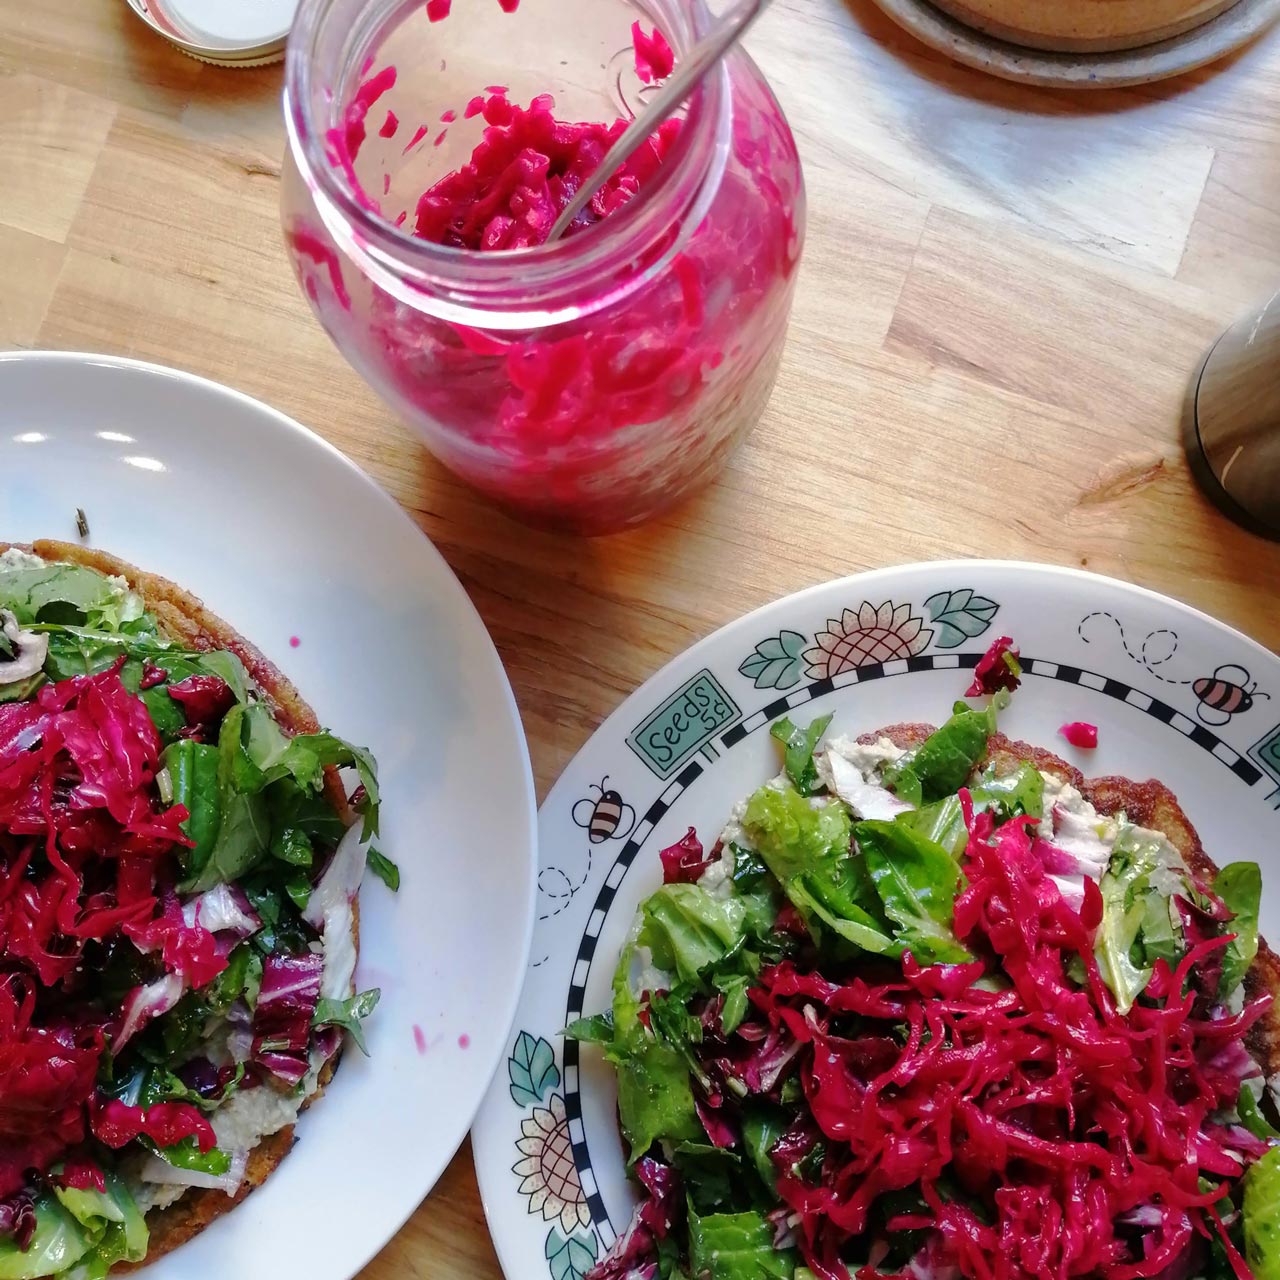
(688, 930)
(292, 846)
(734, 989)
(298, 889)
(942, 763)
(282, 926)
(799, 747)
(384, 869)
(348, 1015)
(1239, 885)
(309, 813)
(239, 980)
(243, 828)
(736, 1246)
(917, 881)
(711, 1174)
(749, 871)
(762, 1126)
(193, 773)
(596, 1029)
(269, 755)
(148, 1084)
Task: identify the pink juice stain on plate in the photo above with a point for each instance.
(294, 641)
(464, 1041)
(419, 1038)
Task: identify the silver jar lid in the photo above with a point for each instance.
(228, 33)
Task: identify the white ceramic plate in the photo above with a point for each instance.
(1176, 696)
(284, 538)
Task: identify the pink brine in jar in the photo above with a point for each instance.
(589, 383)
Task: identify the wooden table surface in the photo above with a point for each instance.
(1004, 293)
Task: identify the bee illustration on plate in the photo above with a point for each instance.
(1230, 691)
(604, 817)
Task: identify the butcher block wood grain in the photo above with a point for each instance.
(1004, 293)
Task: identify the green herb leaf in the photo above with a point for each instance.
(292, 846)
(244, 825)
(799, 747)
(348, 1015)
(193, 774)
(597, 1029)
(762, 1126)
(384, 869)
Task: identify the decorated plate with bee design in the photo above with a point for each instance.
(1174, 695)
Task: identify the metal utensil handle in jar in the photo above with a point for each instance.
(705, 55)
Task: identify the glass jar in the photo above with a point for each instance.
(586, 384)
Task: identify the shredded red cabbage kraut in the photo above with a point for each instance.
(1035, 1120)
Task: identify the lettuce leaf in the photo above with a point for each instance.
(808, 850)
(655, 1100)
(736, 1246)
(79, 1234)
(59, 1242)
(917, 881)
(68, 594)
(942, 763)
(1239, 885)
(687, 930)
(1262, 1216)
(1126, 893)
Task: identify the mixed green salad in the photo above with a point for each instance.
(177, 934)
(922, 1010)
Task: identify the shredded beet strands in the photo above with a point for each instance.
(1053, 1112)
(46, 1076)
(77, 781)
(116, 1124)
(525, 170)
(997, 669)
(81, 843)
